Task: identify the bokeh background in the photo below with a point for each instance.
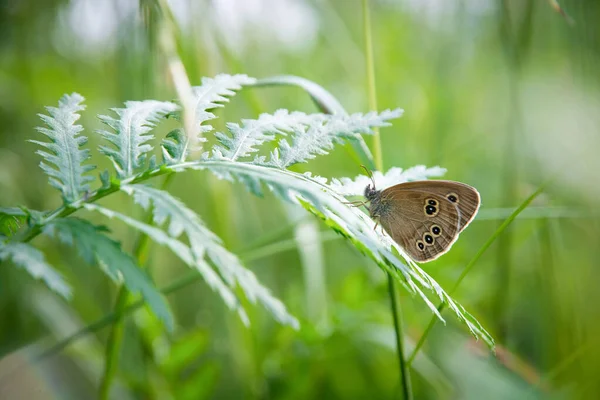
(504, 94)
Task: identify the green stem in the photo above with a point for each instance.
(515, 41)
(371, 88)
(471, 263)
(115, 339)
(396, 313)
(377, 154)
(113, 346)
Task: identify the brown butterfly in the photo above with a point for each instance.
(424, 217)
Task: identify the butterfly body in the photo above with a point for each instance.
(424, 217)
(377, 206)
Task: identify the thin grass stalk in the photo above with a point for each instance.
(377, 155)
(472, 263)
(548, 275)
(509, 176)
(515, 41)
(560, 367)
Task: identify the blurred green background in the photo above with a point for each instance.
(504, 94)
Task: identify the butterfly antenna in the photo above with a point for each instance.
(369, 174)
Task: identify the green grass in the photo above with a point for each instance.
(503, 97)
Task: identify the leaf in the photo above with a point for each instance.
(319, 137)
(394, 176)
(65, 157)
(94, 247)
(184, 353)
(184, 253)
(326, 103)
(11, 220)
(324, 100)
(132, 133)
(204, 243)
(173, 147)
(254, 132)
(320, 199)
(210, 95)
(32, 260)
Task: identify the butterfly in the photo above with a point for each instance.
(423, 217)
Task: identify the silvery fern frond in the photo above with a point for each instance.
(321, 200)
(245, 137)
(205, 244)
(211, 94)
(132, 133)
(393, 176)
(182, 251)
(319, 137)
(32, 260)
(67, 171)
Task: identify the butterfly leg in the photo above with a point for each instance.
(354, 203)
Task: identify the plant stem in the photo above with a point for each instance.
(377, 154)
(113, 346)
(371, 88)
(115, 339)
(396, 313)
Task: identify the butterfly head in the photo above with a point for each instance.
(371, 193)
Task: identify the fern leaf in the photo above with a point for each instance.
(357, 227)
(174, 147)
(132, 133)
(204, 243)
(210, 95)
(65, 158)
(319, 137)
(94, 246)
(32, 260)
(184, 253)
(254, 132)
(11, 220)
(394, 176)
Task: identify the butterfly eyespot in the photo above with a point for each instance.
(427, 238)
(432, 202)
(453, 197)
(420, 245)
(436, 230)
(431, 210)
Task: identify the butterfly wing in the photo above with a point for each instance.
(425, 224)
(465, 197)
